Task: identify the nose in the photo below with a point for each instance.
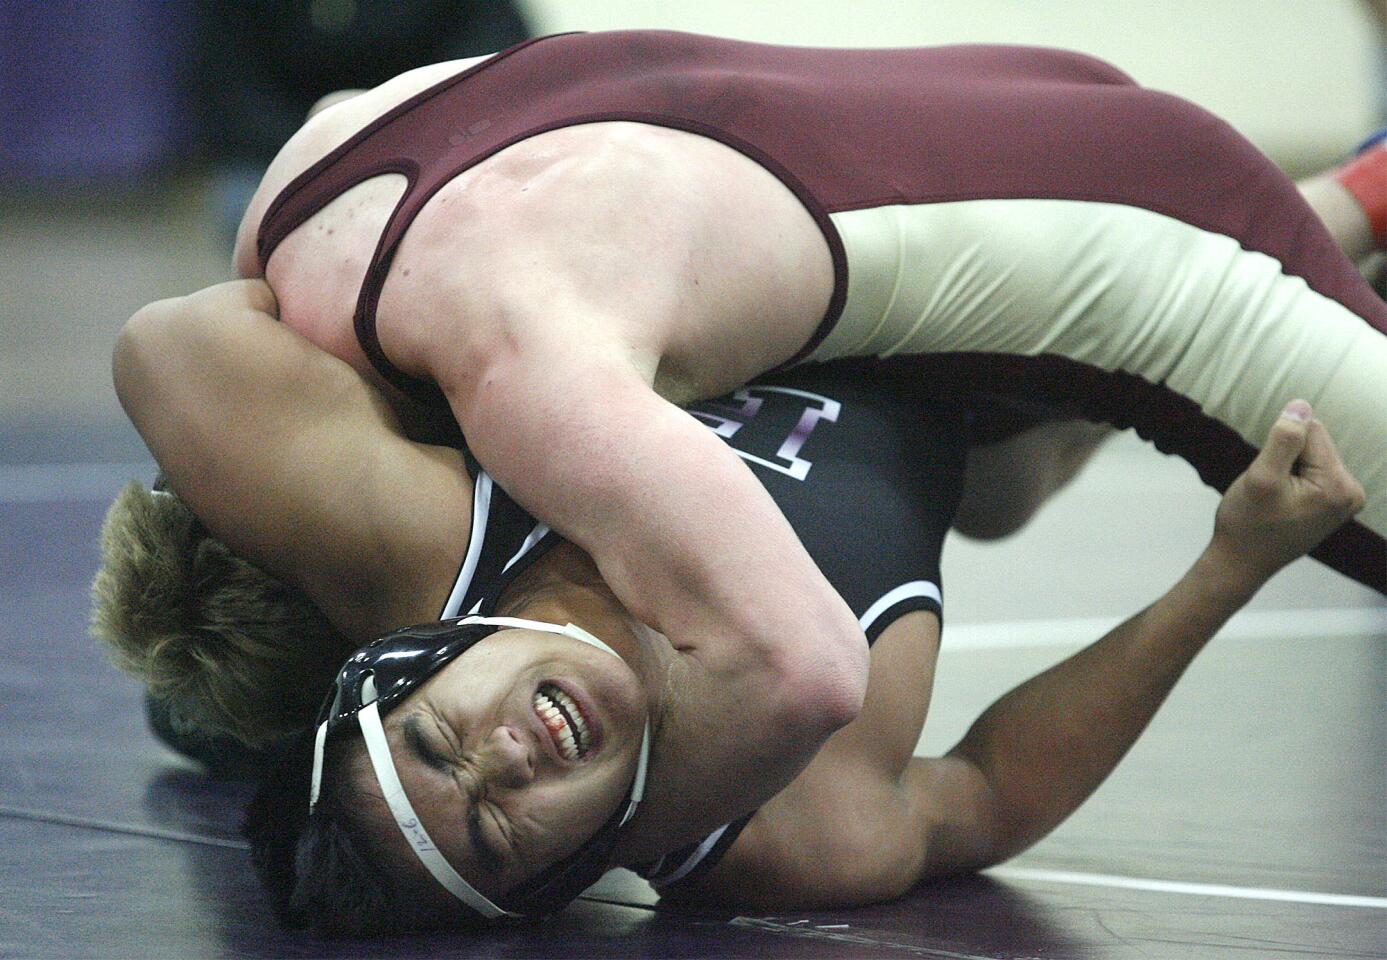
(505, 760)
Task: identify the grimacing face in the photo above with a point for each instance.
(484, 753)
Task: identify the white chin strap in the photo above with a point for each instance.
(410, 824)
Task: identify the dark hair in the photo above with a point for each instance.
(329, 871)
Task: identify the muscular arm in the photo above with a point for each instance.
(288, 456)
(773, 661)
(1047, 745)
(1036, 754)
(1028, 762)
(1043, 748)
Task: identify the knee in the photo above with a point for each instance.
(992, 518)
(1007, 482)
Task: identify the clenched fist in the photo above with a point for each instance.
(1290, 498)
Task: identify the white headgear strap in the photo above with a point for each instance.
(410, 824)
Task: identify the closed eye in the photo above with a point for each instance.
(422, 747)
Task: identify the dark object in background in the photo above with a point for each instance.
(261, 65)
(108, 93)
(90, 92)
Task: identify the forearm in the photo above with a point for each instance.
(290, 458)
(1041, 750)
(1047, 745)
(680, 529)
(188, 373)
(757, 683)
(770, 661)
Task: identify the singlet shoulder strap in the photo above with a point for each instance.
(392, 143)
(330, 176)
(503, 542)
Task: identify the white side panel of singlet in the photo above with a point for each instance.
(1119, 288)
(481, 511)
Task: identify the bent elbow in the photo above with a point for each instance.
(842, 695)
(824, 691)
(142, 341)
(845, 687)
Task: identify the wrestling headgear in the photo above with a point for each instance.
(382, 674)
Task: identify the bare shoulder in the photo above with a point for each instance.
(686, 251)
(321, 134)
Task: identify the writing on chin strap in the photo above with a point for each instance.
(403, 811)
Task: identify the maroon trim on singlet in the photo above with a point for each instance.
(354, 162)
(1173, 423)
(333, 175)
(844, 130)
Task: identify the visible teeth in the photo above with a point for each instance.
(572, 739)
(574, 712)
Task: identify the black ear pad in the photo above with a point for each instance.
(396, 665)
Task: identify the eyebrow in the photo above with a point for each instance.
(425, 753)
(419, 744)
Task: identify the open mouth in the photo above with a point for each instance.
(564, 721)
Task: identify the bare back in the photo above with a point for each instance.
(686, 255)
(685, 212)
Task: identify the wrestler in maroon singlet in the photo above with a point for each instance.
(853, 130)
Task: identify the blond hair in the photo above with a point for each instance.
(231, 649)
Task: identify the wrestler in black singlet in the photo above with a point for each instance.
(868, 472)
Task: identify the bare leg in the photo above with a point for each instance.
(1006, 482)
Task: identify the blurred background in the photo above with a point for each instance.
(131, 132)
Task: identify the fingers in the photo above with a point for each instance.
(1285, 443)
(1298, 438)
(1321, 464)
(1320, 455)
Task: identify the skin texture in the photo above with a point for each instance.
(231, 448)
(563, 365)
(563, 386)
